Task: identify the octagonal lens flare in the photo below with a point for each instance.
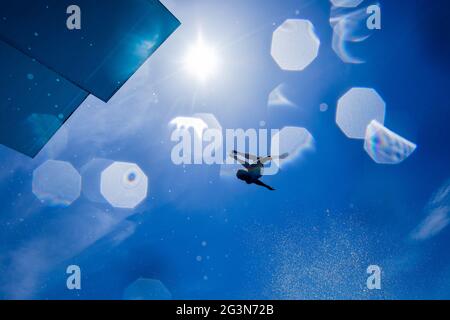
(147, 289)
(356, 110)
(56, 183)
(124, 185)
(292, 142)
(295, 45)
(385, 146)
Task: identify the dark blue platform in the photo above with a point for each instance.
(34, 101)
(115, 39)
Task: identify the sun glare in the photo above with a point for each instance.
(202, 61)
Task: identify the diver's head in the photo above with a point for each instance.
(243, 175)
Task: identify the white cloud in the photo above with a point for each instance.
(59, 241)
(438, 218)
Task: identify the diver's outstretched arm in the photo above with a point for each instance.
(245, 155)
(270, 158)
(262, 184)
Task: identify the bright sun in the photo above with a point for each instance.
(202, 61)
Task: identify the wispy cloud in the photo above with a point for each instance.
(438, 215)
(60, 240)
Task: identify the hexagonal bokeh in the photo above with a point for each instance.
(147, 289)
(295, 45)
(56, 183)
(385, 146)
(293, 141)
(356, 109)
(91, 174)
(124, 185)
(346, 3)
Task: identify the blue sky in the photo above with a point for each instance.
(335, 211)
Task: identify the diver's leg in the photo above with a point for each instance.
(265, 159)
(245, 155)
(262, 184)
(270, 158)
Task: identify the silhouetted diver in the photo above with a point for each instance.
(253, 171)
